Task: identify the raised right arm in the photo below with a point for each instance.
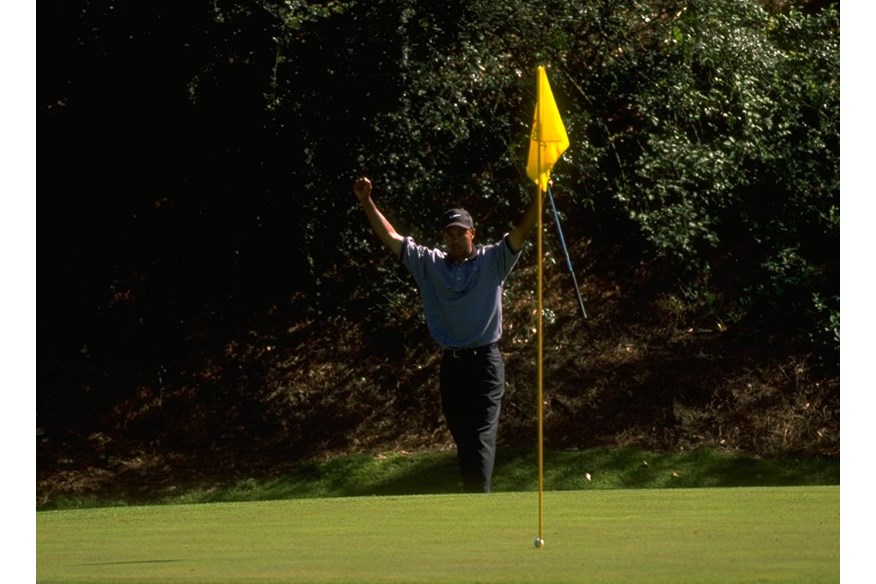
(379, 224)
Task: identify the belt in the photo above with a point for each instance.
(470, 352)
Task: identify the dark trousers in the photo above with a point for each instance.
(472, 386)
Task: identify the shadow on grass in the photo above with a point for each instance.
(517, 470)
(348, 476)
(397, 474)
(436, 472)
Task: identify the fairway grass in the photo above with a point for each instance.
(726, 535)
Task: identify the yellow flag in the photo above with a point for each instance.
(549, 139)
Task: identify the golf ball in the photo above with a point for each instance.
(539, 542)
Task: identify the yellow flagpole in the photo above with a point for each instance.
(539, 543)
(550, 140)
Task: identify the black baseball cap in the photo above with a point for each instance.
(458, 217)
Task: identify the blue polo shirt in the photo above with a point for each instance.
(462, 301)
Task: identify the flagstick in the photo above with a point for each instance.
(540, 384)
(540, 541)
(554, 132)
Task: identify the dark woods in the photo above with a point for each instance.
(209, 285)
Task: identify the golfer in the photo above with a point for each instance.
(461, 291)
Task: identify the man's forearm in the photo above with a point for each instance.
(382, 227)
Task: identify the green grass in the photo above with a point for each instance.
(726, 535)
(433, 472)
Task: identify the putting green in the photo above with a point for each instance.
(667, 535)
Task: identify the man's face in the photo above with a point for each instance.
(459, 242)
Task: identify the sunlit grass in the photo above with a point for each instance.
(727, 535)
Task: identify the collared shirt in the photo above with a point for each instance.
(462, 301)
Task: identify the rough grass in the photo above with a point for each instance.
(435, 472)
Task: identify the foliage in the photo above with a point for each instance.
(708, 128)
(223, 138)
(713, 125)
(741, 157)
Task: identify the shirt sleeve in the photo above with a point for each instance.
(418, 259)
